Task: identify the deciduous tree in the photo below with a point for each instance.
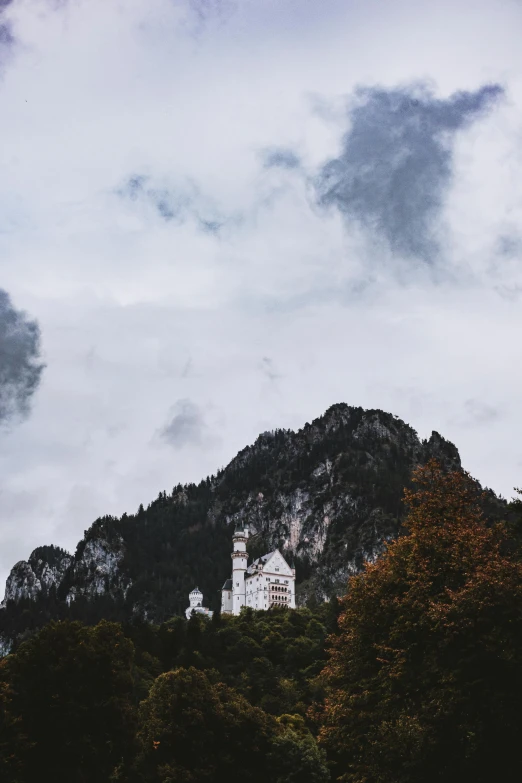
(424, 680)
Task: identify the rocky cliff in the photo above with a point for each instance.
(329, 496)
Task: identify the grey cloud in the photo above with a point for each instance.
(20, 368)
(280, 157)
(396, 162)
(6, 32)
(509, 245)
(481, 412)
(509, 292)
(186, 427)
(267, 367)
(206, 11)
(476, 413)
(176, 205)
(169, 204)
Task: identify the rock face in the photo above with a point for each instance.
(93, 571)
(44, 570)
(329, 496)
(96, 569)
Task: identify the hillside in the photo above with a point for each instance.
(328, 496)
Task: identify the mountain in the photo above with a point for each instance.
(328, 496)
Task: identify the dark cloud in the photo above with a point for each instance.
(6, 31)
(186, 427)
(20, 368)
(280, 158)
(396, 162)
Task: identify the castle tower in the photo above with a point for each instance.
(195, 598)
(239, 567)
(196, 604)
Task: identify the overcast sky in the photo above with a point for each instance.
(218, 218)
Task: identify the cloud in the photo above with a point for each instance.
(509, 245)
(479, 412)
(20, 368)
(6, 32)
(267, 367)
(396, 162)
(172, 204)
(147, 291)
(187, 426)
(280, 157)
(168, 204)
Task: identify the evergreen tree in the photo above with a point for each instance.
(71, 696)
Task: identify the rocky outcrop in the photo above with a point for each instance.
(329, 496)
(44, 570)
(96, 570)
(93, 571)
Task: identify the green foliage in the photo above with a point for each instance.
(210, 692)
(192, 729)
(71, 694)
(272, 658)
(294, 755)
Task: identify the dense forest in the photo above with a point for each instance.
(414, 676)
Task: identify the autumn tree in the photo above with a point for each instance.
(424, 680)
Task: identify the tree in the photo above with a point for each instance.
(294, 755)
(71, 693)
(194, 730)
(12, 741)
(424, 681)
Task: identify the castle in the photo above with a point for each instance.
(268, 581)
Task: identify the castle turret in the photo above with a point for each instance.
(239, 567)
(196, 604)
(196, 598)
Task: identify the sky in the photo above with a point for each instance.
(219, 218)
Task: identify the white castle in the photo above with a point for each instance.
(196, 604)
(268, 581)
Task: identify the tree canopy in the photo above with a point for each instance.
(424, 680)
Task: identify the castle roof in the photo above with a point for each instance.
(263, 559)
(227, 585)
(260, 562)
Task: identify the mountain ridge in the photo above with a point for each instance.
(328, 496)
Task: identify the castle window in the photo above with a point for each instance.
(277, 568)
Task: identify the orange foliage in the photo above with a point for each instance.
(423, 679)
